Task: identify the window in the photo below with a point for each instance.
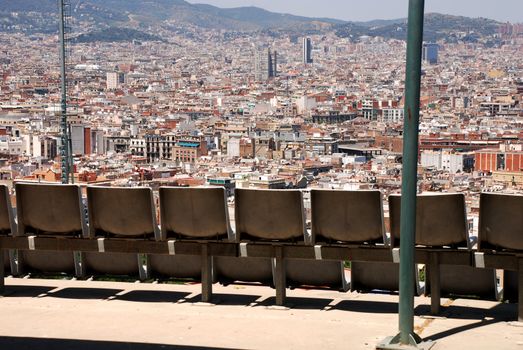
(500, 161)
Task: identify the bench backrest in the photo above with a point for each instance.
(347, 216)
(121, 212)
(50, 209)
(440, 220)
(7, 222)
(269, 215)
(500, 221)
(198, 213)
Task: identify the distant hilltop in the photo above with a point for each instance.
(145, 19)
(436, 27)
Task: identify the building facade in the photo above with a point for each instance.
(115, 80)
(307, 51)
(265, 64)
(430, 53)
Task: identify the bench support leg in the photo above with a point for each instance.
(206, 274)
(143, 267)
(79, 266)
(435, 285)
(520, 289)
(18, 260)
(280, 278)
(2, 272)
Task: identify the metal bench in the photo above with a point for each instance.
(500, 243)
(443, 245)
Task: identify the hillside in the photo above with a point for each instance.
(116, 34)
(120, 12)
(96, 19)
(436, 27)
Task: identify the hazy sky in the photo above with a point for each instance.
(363, 10)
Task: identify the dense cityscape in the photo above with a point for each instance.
(264, 111)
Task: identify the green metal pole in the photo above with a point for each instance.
(64, 147)
(409, 174)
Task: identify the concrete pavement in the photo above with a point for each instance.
(67, 314)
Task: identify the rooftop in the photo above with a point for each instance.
(71, 314)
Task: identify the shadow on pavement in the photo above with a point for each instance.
(26, 291)
(152, 296)
(299, 303)
(460, 329)
(501, 312)
(485, 317)
(228, 299)
(24, 343)
(84, 293)
(365, 306)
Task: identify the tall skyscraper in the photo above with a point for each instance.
(430, 53)
(273, 63)
(265, 64)
(115, 80)
(307, 51)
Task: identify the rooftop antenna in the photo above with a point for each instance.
(64, 9)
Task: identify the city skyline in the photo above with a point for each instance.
(212, 100)
(512, 10)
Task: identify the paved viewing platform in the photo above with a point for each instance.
(71, 314)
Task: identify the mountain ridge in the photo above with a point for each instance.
(437, 27)
(148, 16)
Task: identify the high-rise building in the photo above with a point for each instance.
(265, 64)
(430, 53)
(273, 64)
(78, 139)
(307, 51)
(115, 80)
